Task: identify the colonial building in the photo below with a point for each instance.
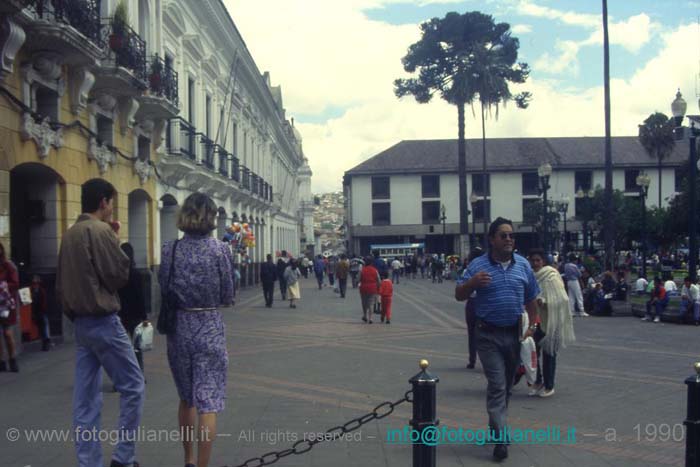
(161, 99)
(398, 195)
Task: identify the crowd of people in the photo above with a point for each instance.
(510, 300)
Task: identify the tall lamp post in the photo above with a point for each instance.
(643, 181)
(544, 171)
(473, 199)
(678, 108)
(585, 196)
(443, 218)
(563, 210)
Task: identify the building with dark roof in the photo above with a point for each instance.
(397, 195)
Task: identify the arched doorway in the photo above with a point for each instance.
(139, 203)
(35, 201)
(37, 211)
(168, 218)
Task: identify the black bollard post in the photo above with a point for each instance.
(424, 412)
(692, 421)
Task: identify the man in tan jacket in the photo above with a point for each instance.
(91, 269)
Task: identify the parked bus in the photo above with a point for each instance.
(393, 250)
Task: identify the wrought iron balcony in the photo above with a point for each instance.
(254, 183)
(82, 15)
(128, 47)
(208, 152)
(246, 178)
(187, 139)
(235, 169)
(162, 80)
(223, 160)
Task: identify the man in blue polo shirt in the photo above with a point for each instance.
(504, 284)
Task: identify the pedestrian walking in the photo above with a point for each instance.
(91, 269)
(690, 301)
(342, 269)
(8, 310)
(395, 270)
(556, 329)
(386, 292)
(268, 276)
(319, 268)
(504, 283)
(281, 266)
(133, 306)
(330, 270)
(305, 263)
(369, 289)
(572, 276)
(40, 311)
(201, 283)
(355, 268)
(292, 275)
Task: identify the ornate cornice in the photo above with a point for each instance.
(101, 155)
(42, 134)
(11, 39)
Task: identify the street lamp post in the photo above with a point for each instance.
(563, 210)
(678, 108)
(643, 181)
(443, 218)
(585, 197)
(473, 199)
(544, 172)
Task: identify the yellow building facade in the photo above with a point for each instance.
(75, 104)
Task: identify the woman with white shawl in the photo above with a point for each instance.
(556, 329)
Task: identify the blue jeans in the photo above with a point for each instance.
(102, 342)
(395, 276)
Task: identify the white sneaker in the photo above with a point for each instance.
(645, 319)
(584, 314)
(535, 390)
(656, 320)
(547, 393)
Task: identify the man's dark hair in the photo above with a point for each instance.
(269, 257)
(343, 256)
(537, 252)
(493, 228)
(686, 279)
(93, 192)
(376, 253)
(572, 257)
(657, 280)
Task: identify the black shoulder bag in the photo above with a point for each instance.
(167, 319)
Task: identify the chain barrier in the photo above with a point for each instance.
(305, 445)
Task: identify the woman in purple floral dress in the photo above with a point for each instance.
(202, 282)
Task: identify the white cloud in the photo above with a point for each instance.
(566, 63)
(521, 29)
(528, 8)
(330, 54)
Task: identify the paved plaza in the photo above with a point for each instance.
(305, 370)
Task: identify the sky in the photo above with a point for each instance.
(336, 61)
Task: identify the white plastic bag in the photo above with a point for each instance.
(528, 353)
(143, 337)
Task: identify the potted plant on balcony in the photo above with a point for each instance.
(156, 75)
(120, 24)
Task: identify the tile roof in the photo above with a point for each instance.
(514, 154)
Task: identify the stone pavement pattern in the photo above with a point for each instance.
(306, 370)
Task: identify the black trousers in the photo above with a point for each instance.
(283, 289)
(343, 285)
(470, 318)
(268, 292)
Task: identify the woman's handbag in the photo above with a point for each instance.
(167, 318)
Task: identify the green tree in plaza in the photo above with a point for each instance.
(656, 135)
(679, 209)
(460, 57)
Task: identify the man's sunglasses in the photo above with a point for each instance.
(504, 235)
